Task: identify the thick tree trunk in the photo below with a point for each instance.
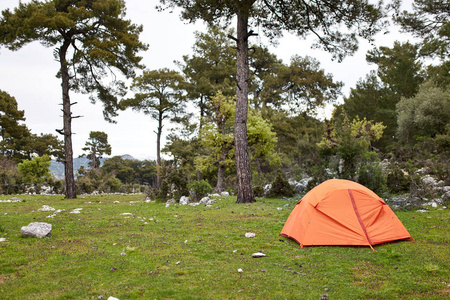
(158, 152)
(244, 175)
(67, 120)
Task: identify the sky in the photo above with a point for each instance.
(29, 75)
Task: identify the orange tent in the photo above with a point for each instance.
(343, 212)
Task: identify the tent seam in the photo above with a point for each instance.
(358, 216)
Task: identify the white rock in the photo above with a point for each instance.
(421, 210)
(214, 195)
(204, 200)
(37, 229)
(225, 194)
(112, 298)
(184, 200)
(279, 208)
(167, 205)
(258, 254)
(3, 240)
(210, 202)
(194, 204)
(250, 234)
(126, 214)
(240, 270)
(46, 208)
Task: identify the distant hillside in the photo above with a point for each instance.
(57, 168)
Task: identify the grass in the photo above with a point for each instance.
(185, 252)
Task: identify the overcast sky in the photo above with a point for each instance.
(29, 75)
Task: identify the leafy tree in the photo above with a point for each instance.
(430, 21)
(11, 131)
(183, 145)
(298, 136)
(398, 67)
(322, 18)
(373, 100)
(351, 140)
(97, 145)
(426, 114)
(217, 137)
(10, 179)
(210, 68)
(299, 86)
(90, 38)
(307, 87)
(35, 171)
(44, 144)
(159, 95)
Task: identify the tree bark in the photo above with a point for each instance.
(244, 175)
(67, 121)
(158, 151)
(221, 170)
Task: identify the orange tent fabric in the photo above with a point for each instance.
(343, 212)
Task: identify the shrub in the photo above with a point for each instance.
(370, 173)
(397, 181)
(200, 189)
(163, 192)
(178, 180)
(281, 187)
(258, 191)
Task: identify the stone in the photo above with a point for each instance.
(267, 188)
(225, 194)
(37, 229)
(214, 195)
(210, 202)
(427, 179)
(204, 200)
(112, 298)
(240, 270)
(184, 200)
(46, 208)
(258, 254)
(3, 240)
(250, 234)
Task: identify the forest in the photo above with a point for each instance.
(254, 120)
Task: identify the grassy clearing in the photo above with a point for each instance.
(185, 252)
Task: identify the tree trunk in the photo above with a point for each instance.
(244, 175)
(158, 152)
(221, 171)
(67, 120)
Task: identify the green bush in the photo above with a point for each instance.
(163, 192)
(199, 189)
(258, 191)
(397, 181)
(178, 180)
(281, 187)
(370, 172)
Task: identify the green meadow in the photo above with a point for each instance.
(120, 246)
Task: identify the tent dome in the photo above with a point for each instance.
(343, 212)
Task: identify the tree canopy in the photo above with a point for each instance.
(91, 39)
